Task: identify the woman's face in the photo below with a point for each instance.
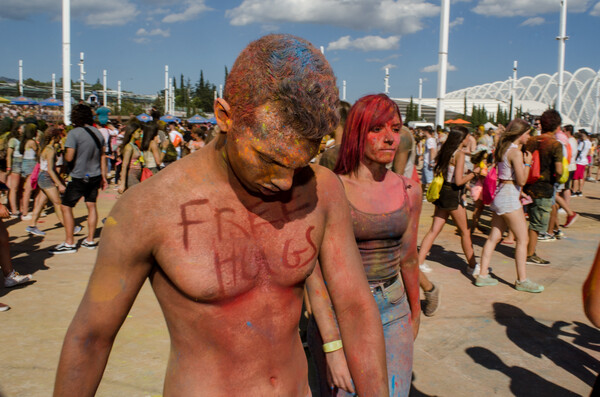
(382, 141)
(137, 134)
(524, 138)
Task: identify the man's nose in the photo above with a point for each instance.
(283, 180)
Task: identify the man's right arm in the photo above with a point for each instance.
(122, 266)
(355, 308)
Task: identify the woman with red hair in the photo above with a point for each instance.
(385, 209)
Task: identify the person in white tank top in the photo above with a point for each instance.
(513, 169)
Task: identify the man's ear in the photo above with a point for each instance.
(223, 114)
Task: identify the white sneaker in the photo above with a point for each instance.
(424, 267)
(562, 211)
(26, 217)
(474, 271)
(14, 279)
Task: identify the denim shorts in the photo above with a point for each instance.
(17, 162)
(426, 175)
(44, 181)
(27, 167)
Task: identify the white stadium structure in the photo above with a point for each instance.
(532, 94)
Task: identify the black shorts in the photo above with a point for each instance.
(450, 197)
(78, 188)
(569, 181)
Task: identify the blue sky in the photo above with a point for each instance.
(135, 39)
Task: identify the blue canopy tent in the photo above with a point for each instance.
(197, 119)
(212, 120)
(168, 118)
(144, 118)
(23, 101)
(51, 102)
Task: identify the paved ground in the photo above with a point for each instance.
(483, 341)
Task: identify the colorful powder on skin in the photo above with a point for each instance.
(110, 221)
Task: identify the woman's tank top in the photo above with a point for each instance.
(135, 163)
(29, 154)
(149, 160)
(379, 239)
(505, 171)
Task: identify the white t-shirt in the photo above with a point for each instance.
(572, 164)
(430, 144)
(584, 147)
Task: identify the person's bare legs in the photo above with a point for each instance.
(459, 216)
(553, 223)
(69, 223)
(54, 197)
(531, 245)
(517, 223)
(439, 220)
(510, 237)
(38, 205)
(5, 261)
(424, 282)
(26, 196)
(476, 215)
(498, 227)
(92, 220)
(14, 185)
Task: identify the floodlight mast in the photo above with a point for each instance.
(420, 97)
(66, 31)
(562, 38)
(20, 77)
(442, 62)
(81, 77)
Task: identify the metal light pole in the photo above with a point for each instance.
(20, 77)
(513, 89)
(420, 96)
(220, 90)
(104, 87)
(66, 31)
(119, 96)
(386, 81)
(562, 38)
(597, 115)
(344, 90)
(54, 85)
(322, 50)
(81, 77)
(442, 62)
(166, 89)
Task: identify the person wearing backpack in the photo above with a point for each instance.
(84, 147)
(542, 191)
(513, 168)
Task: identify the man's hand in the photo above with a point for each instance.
(103, 185)
(4, 213)
(338, 374)
(62, 188)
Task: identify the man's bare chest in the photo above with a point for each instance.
(218, 249)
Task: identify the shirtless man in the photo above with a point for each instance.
(232, 299)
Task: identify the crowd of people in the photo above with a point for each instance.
(280, 224)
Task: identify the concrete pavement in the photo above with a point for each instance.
(483, 341)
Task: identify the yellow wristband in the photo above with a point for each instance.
(332, 346)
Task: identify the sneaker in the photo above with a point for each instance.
(474, 271)
(536, 260)
(35, 231)
(545, 237)
(15, 215)
(558, 234)
(482, 281)
(14, 279)
(424, 267)
(27, 217)
(562, 211)
(91, 245)
(4, 307)
(578, 194)
(63, 248)
(589, 179)
(43, 214)
(432, 301)
(77, 229)
(528, 286)
(571, 219)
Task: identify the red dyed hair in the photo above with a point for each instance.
(367, 113)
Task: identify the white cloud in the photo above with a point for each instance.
(382, 60)
(434, 68)
(394, 16)
(389, 66)
(154, 32)
(456, 22)
(367, 43)
(525, 8)
(596, 10)
(92, 12)
(535, 21)
(193, 9)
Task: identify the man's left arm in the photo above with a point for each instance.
(557, 155)
(403, 151)
(103, 168)
(356, 310)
